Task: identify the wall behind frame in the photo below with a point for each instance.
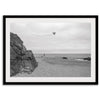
(39, 7)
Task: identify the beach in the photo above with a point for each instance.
(54, 65)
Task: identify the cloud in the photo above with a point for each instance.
(73, 36)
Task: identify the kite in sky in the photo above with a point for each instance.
(54, 33)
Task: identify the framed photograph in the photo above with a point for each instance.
(50, 50)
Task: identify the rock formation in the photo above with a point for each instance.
(21, 59)
(64, 58)
(88, 58)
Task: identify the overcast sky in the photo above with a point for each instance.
(69, 37)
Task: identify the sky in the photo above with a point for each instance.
(69, 37)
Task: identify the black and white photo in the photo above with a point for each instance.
(50, 49)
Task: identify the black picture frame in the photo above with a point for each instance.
(50, 16)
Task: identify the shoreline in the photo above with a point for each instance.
(57, 67)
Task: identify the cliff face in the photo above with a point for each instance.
(21, 59)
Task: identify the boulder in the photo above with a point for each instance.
(21, 59)
(64, 58)
(88, 58)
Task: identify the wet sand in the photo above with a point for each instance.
(58, 67)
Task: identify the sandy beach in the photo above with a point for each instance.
(58, 67)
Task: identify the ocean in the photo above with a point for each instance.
(64, 55)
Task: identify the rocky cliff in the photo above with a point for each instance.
(21, 59)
